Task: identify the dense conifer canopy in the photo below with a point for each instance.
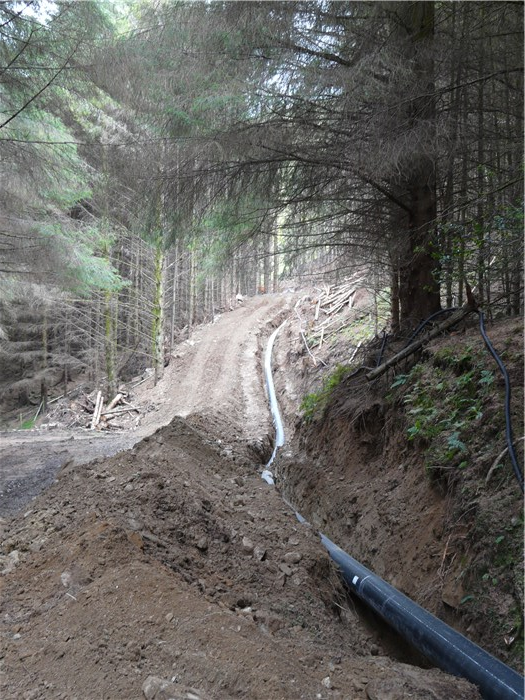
(157, 158)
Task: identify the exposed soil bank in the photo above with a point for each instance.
(447, 534)
(174, 565)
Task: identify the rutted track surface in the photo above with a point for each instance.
(216, 375)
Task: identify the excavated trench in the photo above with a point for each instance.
(239, 442)
(424, 632)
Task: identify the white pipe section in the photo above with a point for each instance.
(274, 406)
(440, 643)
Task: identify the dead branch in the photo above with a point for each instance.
(317, 308)
(355, 351)
(119, 411)
(414, 347)
(308, 349)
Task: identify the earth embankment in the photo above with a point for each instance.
(170, 569)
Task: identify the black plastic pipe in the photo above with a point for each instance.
(427, 320)
(448, 649)
(508, 423)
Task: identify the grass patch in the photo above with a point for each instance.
(315, 403)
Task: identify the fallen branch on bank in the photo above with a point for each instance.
(451, 321)
(314, 359)
(497, 461)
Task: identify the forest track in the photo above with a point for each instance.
(213, 377)
(173, 564)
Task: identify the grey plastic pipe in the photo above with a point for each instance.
(448, 649)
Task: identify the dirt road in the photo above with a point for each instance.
(215, 376)
(171, 570)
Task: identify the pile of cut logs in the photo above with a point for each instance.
(330, 315)
(116, 407)
(330, 303)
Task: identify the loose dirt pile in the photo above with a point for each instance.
(172, 561)
(173, 570)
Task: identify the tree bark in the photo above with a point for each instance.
(109, 338)
(157, 330)
(394, 296)
(174, 295)
(419, 293)
(419, 290)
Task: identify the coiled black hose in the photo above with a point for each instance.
(508, 423)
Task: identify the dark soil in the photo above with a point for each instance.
(173, 565)
(449, 538)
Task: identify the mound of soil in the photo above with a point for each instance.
(175, 562)
(172, 570)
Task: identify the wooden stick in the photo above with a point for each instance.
(317, 308)
(414, 347)
(325, 324)
(119, 411)
(441, 568)
(100, 407)
(113, 403)
(39, 409)
(498, 460)
(97, 411)
(355, 351)
(141, 382)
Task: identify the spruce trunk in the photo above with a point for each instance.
(157, 329)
